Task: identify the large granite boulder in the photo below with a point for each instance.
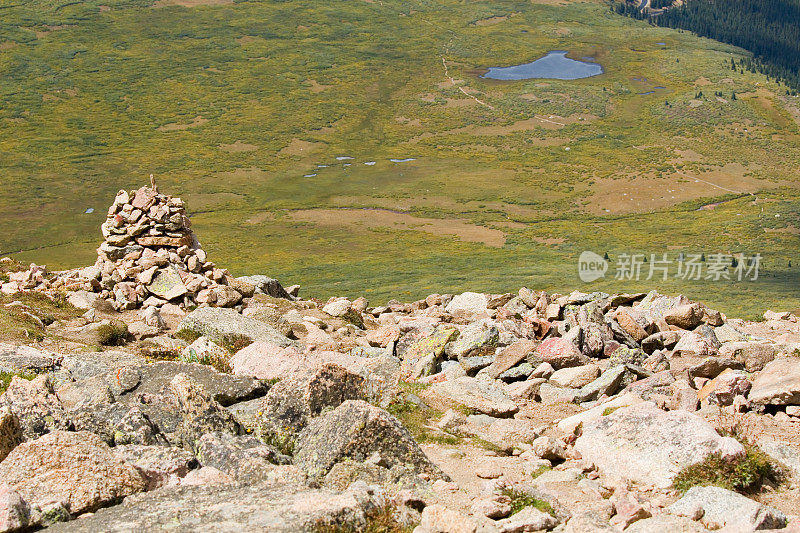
(292, 402)
(279, 508)
(481, 394)
(15, 359)
(650, 446)
(778, 383)
(722, 508)
(76, 468)
(226, 326)
(200, 414)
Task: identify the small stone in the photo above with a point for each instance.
(493, 508)
(488, 472)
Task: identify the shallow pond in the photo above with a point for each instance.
(555, 65)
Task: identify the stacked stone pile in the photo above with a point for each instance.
(149, 258)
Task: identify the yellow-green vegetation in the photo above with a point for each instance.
(541, 470)
(608, 410)
(745, 475)
(232, 105)
(219, 362)
(114, 333)
(23, 315)
(486, 445)
(284, 443)
(380, 520)
(6, 377)
(520, 500)
(159, 353)
(416, 418)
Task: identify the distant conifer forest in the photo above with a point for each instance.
(770, 29)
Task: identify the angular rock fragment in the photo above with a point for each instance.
(355, 430)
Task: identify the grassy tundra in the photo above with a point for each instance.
(231, 105)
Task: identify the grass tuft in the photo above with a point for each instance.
(745, 475)
(520, 500)
(6, 377)
(114, 334)
(380, 520)
(541, 470)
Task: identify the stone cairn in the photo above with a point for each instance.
(150, 257)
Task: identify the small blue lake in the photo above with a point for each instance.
(555, 65)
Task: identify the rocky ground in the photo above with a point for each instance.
(470, 412)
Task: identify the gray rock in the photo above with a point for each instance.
(292, 402)
(243, 457)
(135, 427)
(355, 430)
(279, 508)
(267, 285)
(474, 340)
(421, 350)
(517, 373)
(226, 326)
(778, 383)
(78, 367)
(159, 465)
(226, 389)
(16, 359)
(36, 406)
(754, 355)
(727, 333)
(786, 454)
(77, 468)
(167, 284)
(478, 394)
(471, 365)
(10, 432)
(627, 356)
(607, 384)
(200, 414)
(724, 508)
(650, 446)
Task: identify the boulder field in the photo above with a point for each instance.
(235, 404)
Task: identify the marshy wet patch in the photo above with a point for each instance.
(555, 65)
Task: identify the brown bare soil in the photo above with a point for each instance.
(375, 218)
(637, 194)
(175, 126)
(238, 146)
(191, 3)
(301, 147)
